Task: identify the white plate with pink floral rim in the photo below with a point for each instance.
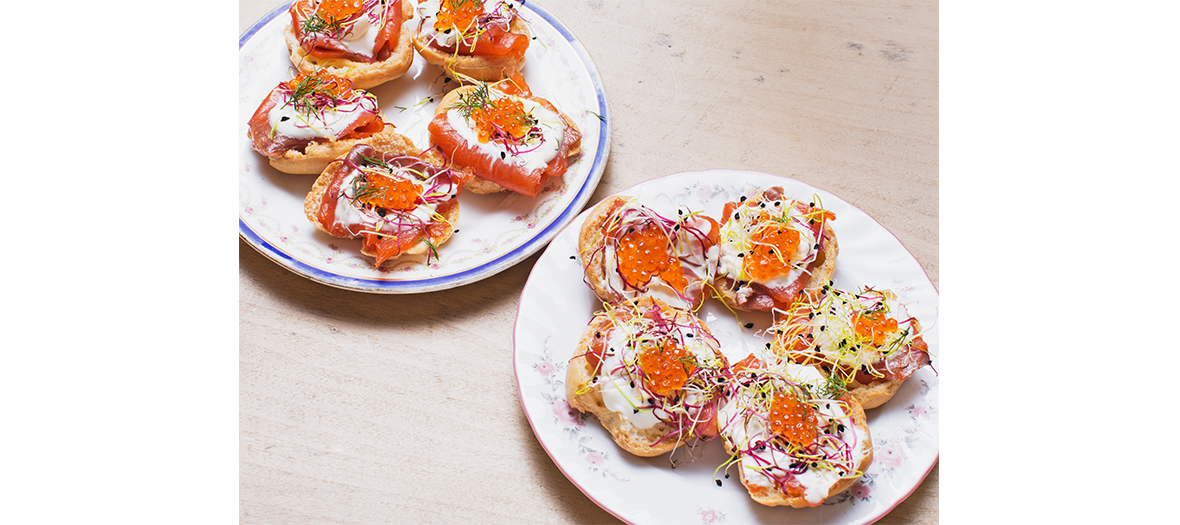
(494, 233)
(556, 305)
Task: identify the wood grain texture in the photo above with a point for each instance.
(362, 408)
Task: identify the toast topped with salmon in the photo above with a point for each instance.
(504, 137)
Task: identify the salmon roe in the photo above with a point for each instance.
(871, 326)
(319, 83)
(393, 193)
(339, 9)
(457, 14)
(644, 252)
(504, 117)
(666, 366)
(793, 419)
(773, 245)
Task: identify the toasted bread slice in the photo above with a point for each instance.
(634, 390)
(485, 177)
(688, 239)
(801, 464)
(363, 75)
(809, 265)
(463, 67)
(866, 338)
(400, 232)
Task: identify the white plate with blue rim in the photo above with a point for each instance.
(556, 305)
(494, 232)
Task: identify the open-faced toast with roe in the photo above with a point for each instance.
(369, 42)
(398, 201)
(629, 250)
(795, 438)
(502, 135)
(650, 374)
(865, 339)
(472, 39)
(307, 121)
(773, 251)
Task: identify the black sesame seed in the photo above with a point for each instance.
(572, 257)
(718, 482)
(503, 155)
(743, 199)
(284, 119)
(749, 325)
(737, 216)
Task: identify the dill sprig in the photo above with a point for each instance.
(316, 24)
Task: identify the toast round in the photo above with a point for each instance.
(603, 362)
(690, 243)
(475, 182)
(784, 473)
(460, 67)
(441, 226)
(363, 75)
(849, 335)
(742, 292)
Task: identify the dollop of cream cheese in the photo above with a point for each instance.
(362, 38)
(836, 314)
(538, 151)
(741, 431)
(736, 242)
(328, 123)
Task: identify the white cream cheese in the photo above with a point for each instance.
(735, 241)
(539, 150)
(327, 123)
(362, 38)
(838, 338)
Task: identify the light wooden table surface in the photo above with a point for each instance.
(359, 408)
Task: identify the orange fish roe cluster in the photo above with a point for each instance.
(394, 193)
(458, 14)
(319, 83)
(793, 419)
(773, 246)
(667, 367)
(504, 116)
(872, 326)
(339, 9)
(644, 252)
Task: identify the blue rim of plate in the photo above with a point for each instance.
(490, 268)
